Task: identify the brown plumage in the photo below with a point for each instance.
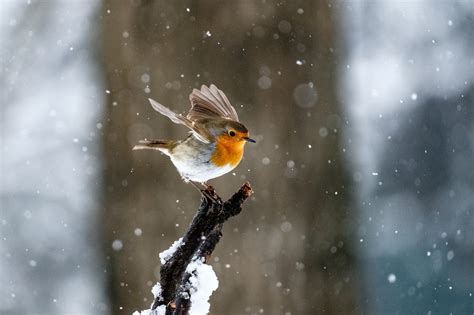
(217, 139)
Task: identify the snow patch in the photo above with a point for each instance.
(160, 310)
(156, 290)
(166, 254)
(203, 282)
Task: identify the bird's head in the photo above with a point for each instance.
(230, 131)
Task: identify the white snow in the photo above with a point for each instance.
(264, 82)
(204, 282)
(156, 290)
(323, 132)
(160, 310)
(266, 160)
(166, 254)
(286, 226)
(450, 255)
(305, 95)
(117, 245)
(391, 278)
(284, 26)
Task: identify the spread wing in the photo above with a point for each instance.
(210, 103)
(198, 129)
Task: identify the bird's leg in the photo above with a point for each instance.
(208, 190)
(210, 193)
(194, 185)
(208, 187)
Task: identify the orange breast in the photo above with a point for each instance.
(228, 151)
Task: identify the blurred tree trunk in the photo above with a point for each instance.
(290, 251)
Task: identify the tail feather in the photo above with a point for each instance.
(162, 145)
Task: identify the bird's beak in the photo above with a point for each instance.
(249, 140)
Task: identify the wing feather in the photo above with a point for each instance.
(225, 101)
(198, 130)
(210, 102)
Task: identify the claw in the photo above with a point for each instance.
(208, 190)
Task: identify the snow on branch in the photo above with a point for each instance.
(186, 282)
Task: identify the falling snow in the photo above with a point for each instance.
(391, 278)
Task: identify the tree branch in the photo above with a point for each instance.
(183, 301)
(199, 242)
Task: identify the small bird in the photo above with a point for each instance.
(215, 145)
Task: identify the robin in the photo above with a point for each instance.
(215, 145)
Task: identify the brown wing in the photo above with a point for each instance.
(210, 102)
(198, 130)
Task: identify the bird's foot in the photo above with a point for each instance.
(206, 190)
(212, 196)
(210, 192)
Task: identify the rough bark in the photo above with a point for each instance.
(183, 303)
(198, 242)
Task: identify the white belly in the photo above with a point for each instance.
(201, 173)
(195, 165)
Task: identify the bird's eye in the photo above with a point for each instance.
(232, 133)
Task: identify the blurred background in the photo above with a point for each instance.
(363, 169)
